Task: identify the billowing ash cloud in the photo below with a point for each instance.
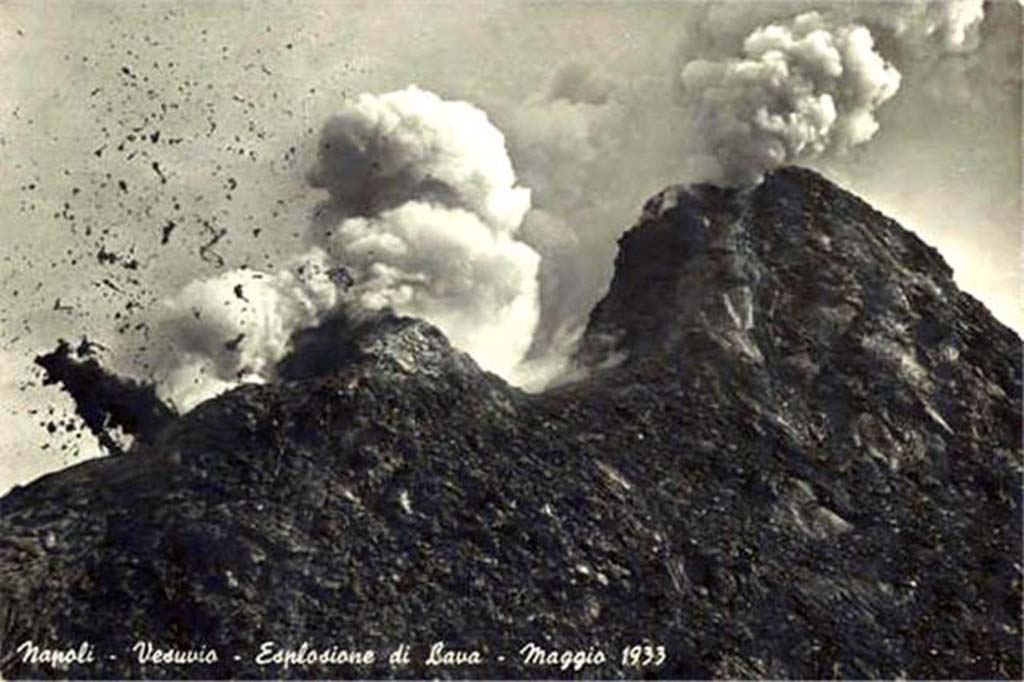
(424, 212)
(422, 217)
(235, 327)
(811, 86)
(383, 150)
(801, 89)
(449, 267)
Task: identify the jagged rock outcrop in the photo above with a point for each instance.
(797, 454)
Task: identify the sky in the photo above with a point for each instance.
(148, 145)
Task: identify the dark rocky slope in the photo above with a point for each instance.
(797, 455)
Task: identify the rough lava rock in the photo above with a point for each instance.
(796, 454)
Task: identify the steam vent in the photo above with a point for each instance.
(796, 454)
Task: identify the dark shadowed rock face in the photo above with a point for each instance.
(800, 458)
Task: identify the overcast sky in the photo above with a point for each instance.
(132, 134)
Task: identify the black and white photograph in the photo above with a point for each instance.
(508, 339)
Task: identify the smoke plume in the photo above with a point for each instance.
(810, 87)
(235, 327)
(422, 218)
(424, 211)
(799, 91)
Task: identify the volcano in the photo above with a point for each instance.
(796, 453)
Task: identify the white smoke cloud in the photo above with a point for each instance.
(424, 211)
(800, 90)
(446, 265)
(919, 29)
(422, 218)
(383, 150)
(235, 327)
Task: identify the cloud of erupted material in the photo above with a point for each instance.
(800, 90)
(424, 212)
(422, 218)
(381, 151)
(235, 327)
(810, 86)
